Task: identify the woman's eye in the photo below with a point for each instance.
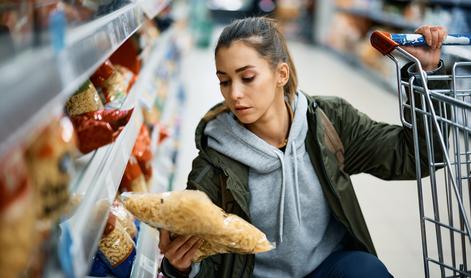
(248, 79)
(223, 83)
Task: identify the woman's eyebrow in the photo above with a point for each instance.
(237, 70)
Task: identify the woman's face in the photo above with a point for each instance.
(248, 83)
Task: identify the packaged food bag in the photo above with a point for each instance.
(99, 128)
(125, 218)
(86, 99)
(50, 165)
(117, 248)
(18, 237)
(143, 152)
(112, 83)
(191, 212)
(133, 179)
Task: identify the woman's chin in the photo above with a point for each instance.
(246, 119)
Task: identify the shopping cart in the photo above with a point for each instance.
(440, 120)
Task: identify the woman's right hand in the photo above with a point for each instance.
(180, 250)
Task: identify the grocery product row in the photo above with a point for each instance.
(347, 25)
(53, 73)
(101, 135)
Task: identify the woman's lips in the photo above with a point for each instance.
(242, 109)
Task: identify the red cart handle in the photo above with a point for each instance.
(382, 42)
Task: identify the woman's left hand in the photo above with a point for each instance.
(429, 56)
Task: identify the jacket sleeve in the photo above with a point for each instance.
(383, 150)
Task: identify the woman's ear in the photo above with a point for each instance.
(282, 74)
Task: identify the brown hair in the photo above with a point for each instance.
(263, 35)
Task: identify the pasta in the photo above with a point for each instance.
(191, 212)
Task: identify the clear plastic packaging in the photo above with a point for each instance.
(125, 218)
(86, 99)
(117, 248)
(18, 237)
(191, 212)
(50, 165)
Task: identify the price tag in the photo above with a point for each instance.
(148, 265)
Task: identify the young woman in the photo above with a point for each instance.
(281, 160)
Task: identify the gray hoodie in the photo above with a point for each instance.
(287, 202)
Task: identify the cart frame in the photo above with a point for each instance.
(445, 114)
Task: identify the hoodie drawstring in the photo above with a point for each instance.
(296, 183)
(281, 210)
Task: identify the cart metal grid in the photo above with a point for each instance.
(440, 120)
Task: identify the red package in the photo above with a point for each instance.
(133, 180)
(99, 128)
(127, 56)
(143, 152)
(102, 74)
(112, 83)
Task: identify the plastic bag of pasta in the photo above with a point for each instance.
(116, 248)
(86, 99)
(191, 212)
(18, 237)
(125, 218)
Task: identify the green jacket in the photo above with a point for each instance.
(366, 146)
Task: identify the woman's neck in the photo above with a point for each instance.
(273, 127)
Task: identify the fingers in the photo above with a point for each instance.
(181, 251)
(191, 253)
(435, 41)
(433, 35)
(164, 240)
(426, 32)
(443, 34)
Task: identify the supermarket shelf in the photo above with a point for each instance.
(456, 3)
(461, 52)
(371, 74)
(381, 17)
(38, 82)
(145, 263)
(153, 7)
(100, 179)
(150, 86)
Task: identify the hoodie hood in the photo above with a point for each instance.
(227, 136)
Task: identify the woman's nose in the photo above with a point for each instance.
(236, 91)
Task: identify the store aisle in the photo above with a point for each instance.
(390, 208)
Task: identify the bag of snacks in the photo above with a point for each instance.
(112, 84)
(18, 217)
(86, 99)
(143, 152)
(117, 248)
(125, 218)
(133, 180)
(127, 55)
(50, 164)
(191, 212)
(99, 128)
